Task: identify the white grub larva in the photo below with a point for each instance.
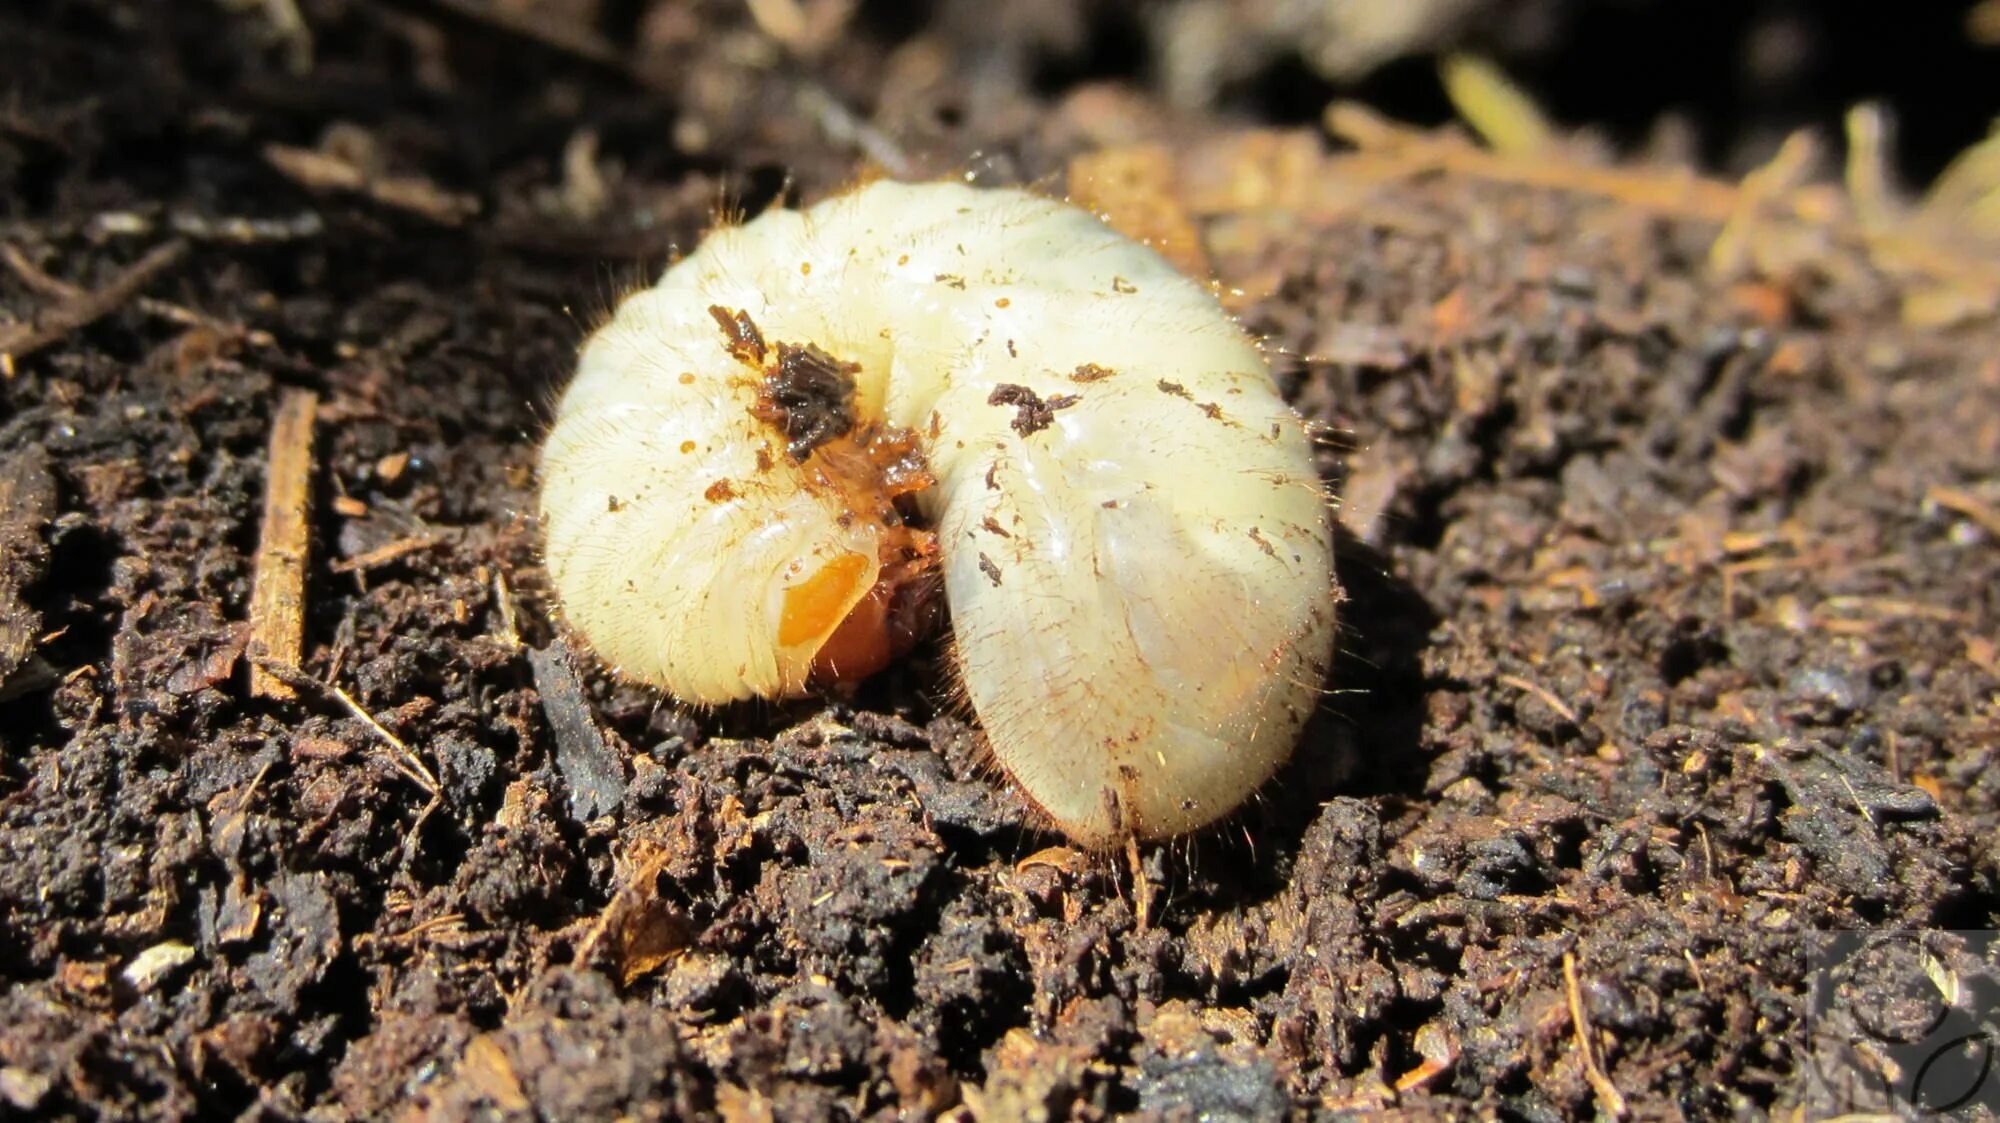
(1134, 546)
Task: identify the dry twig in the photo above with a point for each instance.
(1677, 193)
(1961, 502)
(525, 21)
(81, 308)
(331, 171)
(798, 36)
(278, 592)
(383, 555)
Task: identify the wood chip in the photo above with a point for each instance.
(641, 930)
(595, 775)
(277, 599)
(487, 1068)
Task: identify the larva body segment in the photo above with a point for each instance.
(1134, 544)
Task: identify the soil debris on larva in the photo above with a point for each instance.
(808, 395)
(1033, 413)
(740, 337)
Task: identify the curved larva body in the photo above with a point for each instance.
(1134, 544)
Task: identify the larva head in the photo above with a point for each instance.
(883, 603)
(716, 521)
(831, 625)
(851, 614)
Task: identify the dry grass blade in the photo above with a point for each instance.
(402, 757)
(1414, 152)
(1548, 698)
(1503, 114)
(1608, 1096)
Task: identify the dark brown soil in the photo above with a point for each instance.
(1668, 640)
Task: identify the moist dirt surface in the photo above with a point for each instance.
(1667, 641)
